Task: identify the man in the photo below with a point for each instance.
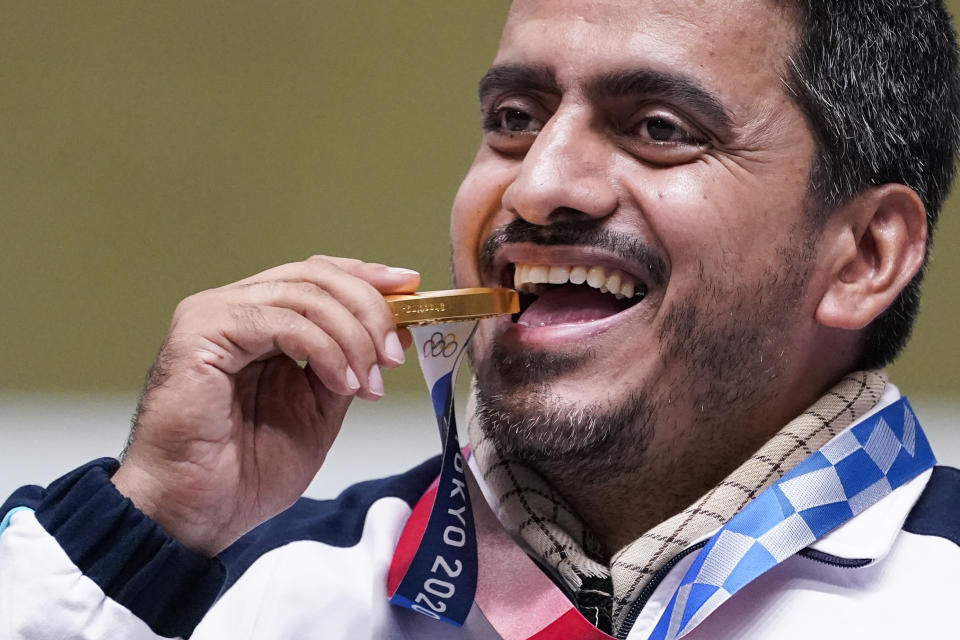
(719, 213)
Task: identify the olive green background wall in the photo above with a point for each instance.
(150, 150)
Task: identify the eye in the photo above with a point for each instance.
(517, 120)
(660, 129)
(512, 120)
(511, 125)
(661, 137)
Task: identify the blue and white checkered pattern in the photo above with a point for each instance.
(849, 474)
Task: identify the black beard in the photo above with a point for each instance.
(720, 350)
(530, 423)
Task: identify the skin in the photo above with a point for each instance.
(753, 315)
(716, 359)
(231, 430)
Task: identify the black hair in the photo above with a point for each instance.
(879, 84)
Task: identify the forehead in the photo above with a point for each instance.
(737, 48)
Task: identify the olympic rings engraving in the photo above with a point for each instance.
(440, 345)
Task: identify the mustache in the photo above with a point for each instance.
(587, 234)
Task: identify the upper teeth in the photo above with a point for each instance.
(527, 277)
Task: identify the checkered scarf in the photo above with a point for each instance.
(530, 508)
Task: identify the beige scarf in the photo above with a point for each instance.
(530, 508)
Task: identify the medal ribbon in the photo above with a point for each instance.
(849, 474)
(441, 579)
(436, 565)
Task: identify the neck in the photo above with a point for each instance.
(630, 488)
(687, 456)
(620, 506)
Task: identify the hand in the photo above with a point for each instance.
(230, 429)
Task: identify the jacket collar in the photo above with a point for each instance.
(871, 534)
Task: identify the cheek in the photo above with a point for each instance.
(723, 224)
(476, 211)
(689, 213)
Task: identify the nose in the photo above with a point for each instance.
(565, 174)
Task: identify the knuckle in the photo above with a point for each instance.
(196, 303)
(324, 349)
(318, 261)
(350, 265)
(186, 305)
(311, 289)
(376, 311)
(249, 316)
(362, 346)
(289, 321)
(251, 290)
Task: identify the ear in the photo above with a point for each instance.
(873, 246)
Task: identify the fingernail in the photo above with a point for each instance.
(391, 345)
(402, 272)
(352, 380)
(375, 381)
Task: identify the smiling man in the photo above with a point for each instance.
(717, 214)
(661, 153)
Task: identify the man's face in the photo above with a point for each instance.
(652, 145)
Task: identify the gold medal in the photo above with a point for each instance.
(433, 307)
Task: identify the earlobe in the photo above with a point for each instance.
(877, 244)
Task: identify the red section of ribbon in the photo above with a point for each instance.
(507, 569)
(410, 539)
(570, 626)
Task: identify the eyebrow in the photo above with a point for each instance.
(515, 77)
(677, 88)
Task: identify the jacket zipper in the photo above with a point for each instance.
(834, 561)
(648, 590)
(641, 601)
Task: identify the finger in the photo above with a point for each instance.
(345, 280)
(359, 297)
(383, 278)
(249, 332)
(321, 308)
(247, 303)
(328, 313)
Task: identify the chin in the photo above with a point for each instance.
(533, 406)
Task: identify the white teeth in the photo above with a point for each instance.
(530, 278)
(538, 274)
(596, 276)
(520, 276)
(558, 275)
(613, 283)
(578, 275)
